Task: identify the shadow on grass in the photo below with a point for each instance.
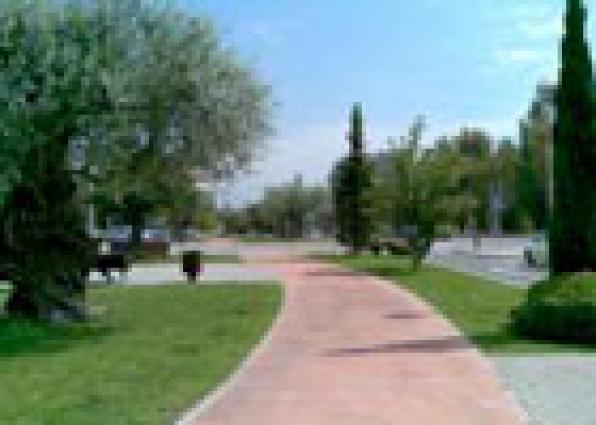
(432, 346)
(22, 337)
(492, 341)
(389, 266)
(392, 271)
(507, 341)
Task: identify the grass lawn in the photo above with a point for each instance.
(149, 357)
(478, 307)
(221, 259)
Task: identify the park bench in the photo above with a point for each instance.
(157, 249)
(105, 263)
(394, 246)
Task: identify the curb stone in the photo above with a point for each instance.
(212, 397)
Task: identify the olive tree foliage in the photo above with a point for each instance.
(146, 87)
(292, 210)
(474, 146)
(194, 107)
(422, 192)
(418, 210)
(48, 85)
(51, 91)
(123, 94)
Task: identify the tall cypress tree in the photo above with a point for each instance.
(352, 183)
(574, 161)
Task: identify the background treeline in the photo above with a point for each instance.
(292, 210)
(469, 182)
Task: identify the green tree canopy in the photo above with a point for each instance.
(352, 189)
(125, 94)
(572, 234)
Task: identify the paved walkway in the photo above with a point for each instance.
(169, 273)
(350, 349)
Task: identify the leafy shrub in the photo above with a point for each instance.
(398, 249)
(562, 308)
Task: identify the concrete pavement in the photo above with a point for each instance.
(497, 259)
(169, 273)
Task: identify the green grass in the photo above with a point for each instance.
(481, 309)
(221, 259)
(151, 354)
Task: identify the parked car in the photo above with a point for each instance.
(191, 234)
(155, 235)
(156, 240)
(117, 233)
(536, 253)
(394, 246)
(119, 238)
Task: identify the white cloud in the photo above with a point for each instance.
(534, 10)
(263, 32)
(541, 29)
(272, 34)
(530, 41)
(310, 151)
(520, 55)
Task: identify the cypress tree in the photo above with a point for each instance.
(572, 219)
(352, 183)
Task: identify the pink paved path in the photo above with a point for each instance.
(350, 349)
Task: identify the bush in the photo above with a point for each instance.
(399, 249)
(445, 231)
(559, 309)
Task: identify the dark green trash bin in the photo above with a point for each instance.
(191, 265)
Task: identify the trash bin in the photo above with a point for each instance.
(191, 265)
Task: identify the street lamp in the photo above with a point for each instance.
(92, 228)
(549, 172)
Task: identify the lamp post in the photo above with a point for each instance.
(91, 222)
(549, 175)
(91, 212)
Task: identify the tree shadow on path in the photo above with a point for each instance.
(431, 346)
(334, 273)
(405, 315)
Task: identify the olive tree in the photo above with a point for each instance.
(123, 94)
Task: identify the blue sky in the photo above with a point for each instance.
(459, 63)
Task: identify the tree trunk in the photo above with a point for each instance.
(46, 247)
(136, 236)
(58, 298)
(22, 303)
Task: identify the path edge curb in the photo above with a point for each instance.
(518, 409)
(192, 414)
(396, 287)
